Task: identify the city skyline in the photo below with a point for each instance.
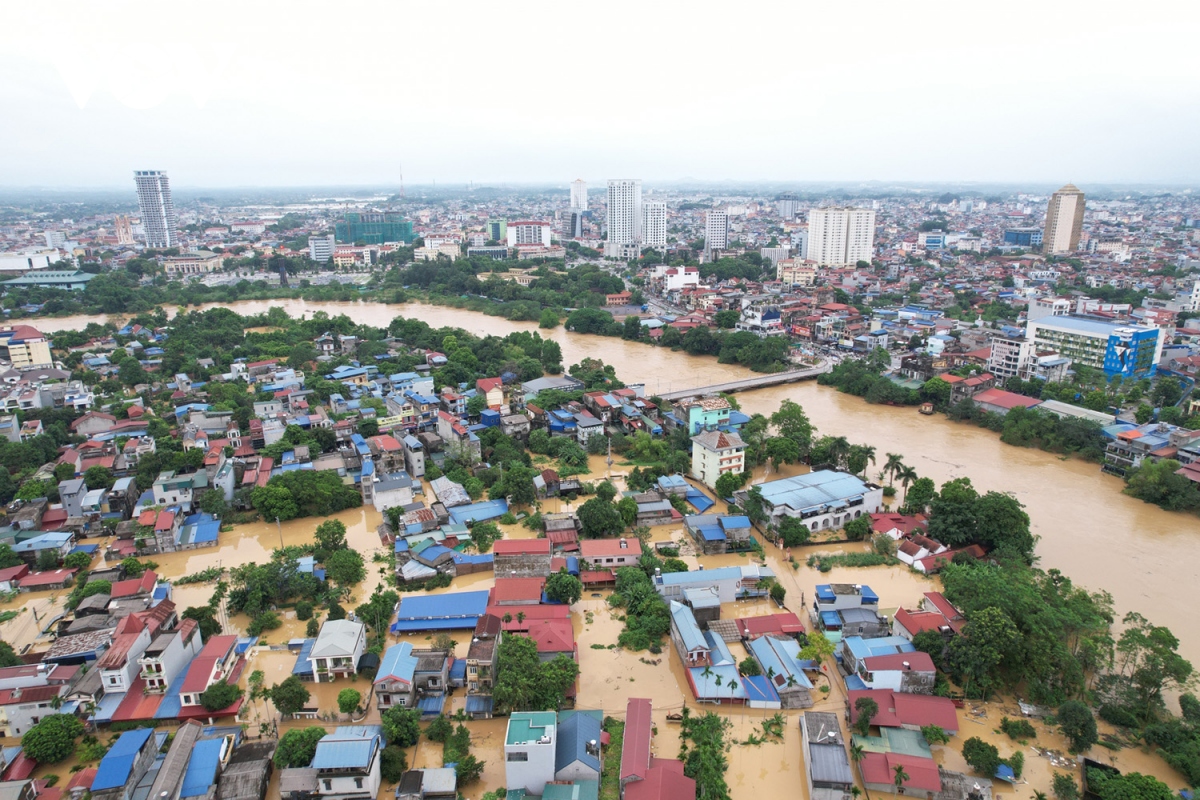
(90, 110)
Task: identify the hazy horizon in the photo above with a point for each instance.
(308, 95)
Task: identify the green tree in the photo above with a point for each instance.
(348, 700)
(345, 567)
(330, 536)
(78, 560)
(730, 482)
(1065, 787)
(793, 532)
(974, 656)
(791, 422)
(749, 667)
(52, 739)
(204, 616)
(1130, 786)
(8, 656)
(1076, 722)
(935, 734)
(393, 763)
(1156, 482)
(1006, 529)
(599, 519)
(289, 696)
(9, 557)
(524, 682)
(219, 696)
(606, 491)
(563, 587)
(953, 519)
(297, 747)
(865, 710)
(1148, 665)
(858, 529)
(781, 450)
(439, 730)
(468, 769)
(401, 726)
(984, 758)
(98, 477)
(549, 319)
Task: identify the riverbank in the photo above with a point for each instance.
(1088, 528)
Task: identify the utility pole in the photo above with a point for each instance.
(279, 528)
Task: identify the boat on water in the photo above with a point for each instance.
(926, 409)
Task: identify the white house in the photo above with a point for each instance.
(347, 762)
(339, 645)
(715, 453)
(529, 750)
(119, 664)
(168, 654)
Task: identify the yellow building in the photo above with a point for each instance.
(25, 346)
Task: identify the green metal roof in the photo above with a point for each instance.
(529, 726)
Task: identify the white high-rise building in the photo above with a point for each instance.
(320, 248)
(839, 237)
(1064, 221)
(529, 231)
(158, 212)
(624, 218)
(654, 224)
(716, 230)
(55, 239)
(579, 193)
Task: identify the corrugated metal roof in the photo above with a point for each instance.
(335, 753)
(117, 764)
(202, 767)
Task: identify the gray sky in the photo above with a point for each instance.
(307, 93)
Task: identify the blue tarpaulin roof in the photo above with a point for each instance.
(303, 666)
(202, 767)
(699, 500)
(116, 766)
(479, 512)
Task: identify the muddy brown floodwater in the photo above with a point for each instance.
(1099, 537)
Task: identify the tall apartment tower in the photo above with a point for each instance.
(158, 212)
(1064, 220)
(124, 229)
(579, 194)
(839, 237)
(716, 230)
(624, 218)
(654, 224)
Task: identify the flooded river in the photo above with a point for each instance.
(1088, 529)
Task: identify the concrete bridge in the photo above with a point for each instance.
(774, 379)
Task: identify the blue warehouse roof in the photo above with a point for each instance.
(117, 764)
(812, 489)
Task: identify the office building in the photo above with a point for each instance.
(1023, 237)
(528, 231)
(55, 239)
(374, 227)
(624, 218)
(158, 212)
(579, 194)
(716, 230)
(25, 347)
(497, 230)
(1009, 353)
(1064, 221)
(654, 224)
(788, 205)
(320, 248)
(841, 236)
(572, 223)
(1131, 351)
(124, 229)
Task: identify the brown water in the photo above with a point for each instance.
(1093, 533)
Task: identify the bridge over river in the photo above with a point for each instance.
(774, 379)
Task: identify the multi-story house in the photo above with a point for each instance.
(119, 664)
(394, 680)
(337, 649)
(215, 662)
(168, 654)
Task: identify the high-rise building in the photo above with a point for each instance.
(572, 223)
(654, 224)
(579, 193)
(158, 212)
(840, 236)
(716, 230)
(54, 239)
(320, 248)
(788, 205)
(624, 217)
(1064, 220)
(124, 229)
(374, 227)
(497, 230)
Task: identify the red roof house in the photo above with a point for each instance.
(909, 711)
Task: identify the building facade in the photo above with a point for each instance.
(157, 209)
(1132, 351)
(714, 453)
(579, 194)
(528, 231)
(374, 228)
(840, 236)
(624, 216)
(1064, 221)
(716, 230)
(654, 224)
(320, 248)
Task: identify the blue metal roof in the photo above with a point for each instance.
(685, 624)
(337, 753)
(759, 689)
(733, 523)
(712, 533)
(479, 704)
(440, 612)
(202, 767)
(699, 500)
(303, 666)
(431, 704)
(812, 489)
(117, 764)
(479, 512)
(574, 733)
(398, 663)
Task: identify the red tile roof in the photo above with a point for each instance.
(508, 591)
(917, 662)
(521, 547)
(880, 768)
(591, 549)
(202, 666)
(785, 624)
(135, 586)
(635, 749)
(553, 635)
(51, 578)
(897, 709)
(1005, 400)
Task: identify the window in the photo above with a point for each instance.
(328, 785)
(358, 783)
(521, 756)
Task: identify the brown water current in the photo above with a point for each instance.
(1099, 537)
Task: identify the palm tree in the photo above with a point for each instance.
(900, 777)
(868, 452)
(892, 466)
(857, 754)
(707, 673)
(906, 475)
(1039, 795)
(839, 448)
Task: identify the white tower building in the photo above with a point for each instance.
(579, 193)
(158, 212)
(624, 218)
(840, 236)
(716, 230)
(654, 224)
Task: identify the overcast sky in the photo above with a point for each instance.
(308, 93)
